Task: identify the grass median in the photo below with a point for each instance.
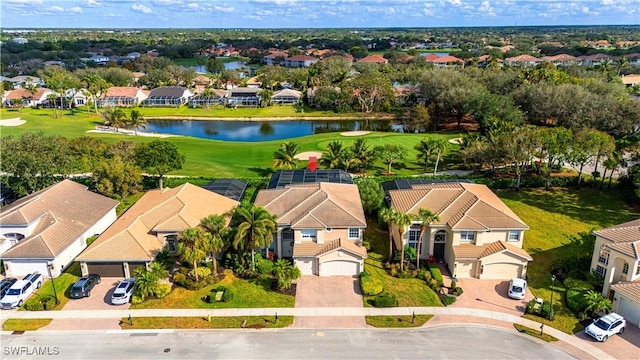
(218, 322)
(24, 324)
(402, 321)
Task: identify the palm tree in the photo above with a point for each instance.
(190, 248)
(424, 150)
(52, 102)
(439, 145)
(159, 270)
(363, 153)
(255, 229)
(214, 243)
(596, 303)
(114, 117)
(285, 273)
(402, 220)
(136, 120)
(388, 215)
(334, 155)
(285, 156)
(426, 217)
(146, 282)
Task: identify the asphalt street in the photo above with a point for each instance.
(447, 342)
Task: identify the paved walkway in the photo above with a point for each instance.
(581, 346)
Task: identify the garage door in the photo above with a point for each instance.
(629, 310)
(305, 265)
(340, 268)
(501, 271)
(21, 268)
(114, 269)
(465, 269)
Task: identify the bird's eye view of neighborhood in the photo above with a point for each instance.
(320, 179)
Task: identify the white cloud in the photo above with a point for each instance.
(428, 12)
(141, 8)
(456, 3)
(263, 12)
(193, 6)
(25, 2)
(76, 10)
(224, 9)
(486, 8)
(93, 3)
(56, 9)
(252, 17)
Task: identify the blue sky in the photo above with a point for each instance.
(312, 13)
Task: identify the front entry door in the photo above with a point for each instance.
(438, 250)
(287, 242)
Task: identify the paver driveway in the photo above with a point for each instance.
(490, 295)
(330, 291)
(625, 346)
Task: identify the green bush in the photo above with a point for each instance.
(135, 299)
(448, 300)
(162, 290)
(385, 300)
(457, 291)
(227, 296)
(571, 283)
(433, 284)
(38, 303)
(454, 284)
(531, 306)
(366, 244)
(406, 273)
(203, 272)
(33, 306)
(436, 274)
(369, 285)
(547, 311)
(179, 278)
(425, 275)
(264, 266)
(575, 300)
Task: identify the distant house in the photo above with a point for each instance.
(20, 40)
(254, 82)
(374, 59)
(407, 94)
(272, 59)
(446, 61)
(616, 258)
(522, 60)
(39, 97)
(21, 81)
(300, 61)
(631, 80)
(51, 227)
(560, 59)
(634, 59)
(286, 96)
(244, 96)
(595, 59)
(212, 98)
(122, 96)
(98, 59)
(168, 96)
(149, 226)
(53, 63)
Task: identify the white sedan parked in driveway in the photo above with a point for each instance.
(123, 292)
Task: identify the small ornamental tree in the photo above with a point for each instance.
(158, 157)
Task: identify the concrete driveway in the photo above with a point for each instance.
(625, 346)
(330, 291)
(490, 295)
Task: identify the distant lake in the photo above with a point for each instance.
(254, 131)
(233, 65)
(440, 54)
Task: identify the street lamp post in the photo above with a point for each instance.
(553, 281)
(55, 294)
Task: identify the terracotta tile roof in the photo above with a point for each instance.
(287, 92)
(631, 79)
(559, 57)
(24, 93)
(523, 58)
(310, 248)
(203, 80)
(133, 235)
(302, 58)
(275, 55)
(461, 206)
(62, 212)
(447, 59)
(405, 90)
(596, 57)
(470, 251)
(375, 58)
(126, 91)
(630, 289)
(625, 237)
(322, 204)
(431, 57)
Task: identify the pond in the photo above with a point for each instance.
(233, 65)
(254, 131)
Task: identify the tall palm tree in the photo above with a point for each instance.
(439, 145)
(285, 156)
(190, 248)
(136, 120)
(52, 102)
(425, 217)
(388, 215)
(363, 153)
(334, 155)
(425, 151)
(255, 229)
(114, 117)
(402, 220)
(213, 226)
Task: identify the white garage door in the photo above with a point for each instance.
(305, 265)
(629, 310)
(339, 268)
(502, 271)
(465, 269)
(22, 268)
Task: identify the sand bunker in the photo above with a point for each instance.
(110, 130)
(456, 141)
(308, 154)
(12, 122)
(354, 133)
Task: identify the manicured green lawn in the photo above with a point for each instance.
(220, 158)
(63, 284)
(256, 322)
(253, 293)
(402, 321)
(410, 292)
(24, 324)
(535, 333)
(554, 217)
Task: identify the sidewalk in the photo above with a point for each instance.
(579, 346)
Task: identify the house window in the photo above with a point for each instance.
(354, 233)
(514, 235)
(603, 257)
(467, 236)
(601, 271)
(625, 268)
(172, 243)
(414, 235)
(309, 234)
(638, 270)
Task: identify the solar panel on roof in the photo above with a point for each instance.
(285, 177)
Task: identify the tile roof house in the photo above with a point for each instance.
(286, 96)
(173, 96)
(51, 226)
(28, 98)
(476, 235)
(616, 257)
(374, 59)
(122, 96)
(320, 226)
(300, 61)
(522, 60)
(272, 58)
(446, 61)
(150, 225)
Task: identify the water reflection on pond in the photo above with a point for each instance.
(254, 131)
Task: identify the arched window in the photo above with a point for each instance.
(13, 237)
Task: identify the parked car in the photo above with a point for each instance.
(606, 326)
(20, 291)
(517, 288)
(123, 292)
(82, 287)
(5, 284)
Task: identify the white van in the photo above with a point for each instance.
(20, 291)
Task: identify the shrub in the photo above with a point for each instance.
(249, 274)
(264, 266)
(227, 296)
(203, 272)
(531, 307)
(575, 300)
(457, 291)
(454, 284)
(135, 299)
(385, 300)
(183, 270)
(366, 244)
(374, 256)
(433, 284)
(448, 300)
(571, 283)
(33, 306)
(369, 285)
(425, 275)
(179, 278)
(406, 273)
(547, 311)
(437, 275)
(162, 290)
